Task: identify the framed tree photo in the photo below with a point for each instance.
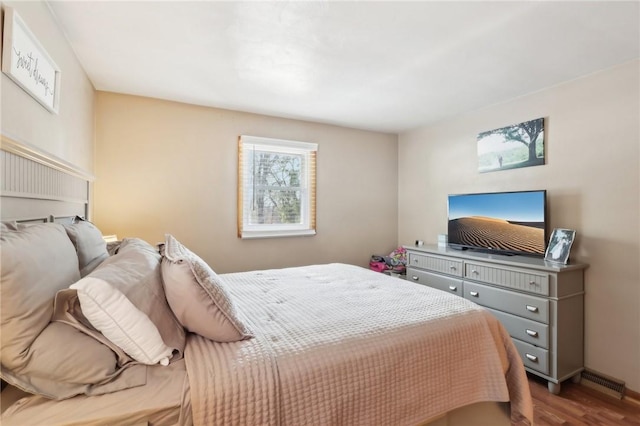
(512, 147)
(560, 245)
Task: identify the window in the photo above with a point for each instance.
(276, 187)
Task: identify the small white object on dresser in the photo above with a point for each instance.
(540, 303)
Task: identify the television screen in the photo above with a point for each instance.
(505, 222)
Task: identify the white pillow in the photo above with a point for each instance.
(111, 313)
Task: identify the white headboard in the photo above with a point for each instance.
(37, 186)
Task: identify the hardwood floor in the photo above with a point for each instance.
(580, 405)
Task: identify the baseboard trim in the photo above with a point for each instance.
(631, 396)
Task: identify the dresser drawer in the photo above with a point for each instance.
(448, 284)
(533, 357)
(522, 305)
(523, 329)
(508, 277)
(440, 264)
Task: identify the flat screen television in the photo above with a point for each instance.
(502, 222)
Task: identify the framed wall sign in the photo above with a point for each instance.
(25, 61)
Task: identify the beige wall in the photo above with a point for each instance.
(69, 134)
(166, 167)
(593, 183)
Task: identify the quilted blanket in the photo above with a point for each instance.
(339, 344)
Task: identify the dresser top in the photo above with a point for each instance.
(515, 260)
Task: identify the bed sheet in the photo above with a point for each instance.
(163, 400)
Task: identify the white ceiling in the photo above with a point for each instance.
(384, 66)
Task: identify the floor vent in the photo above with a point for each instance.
(602, 383)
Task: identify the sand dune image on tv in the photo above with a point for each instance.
(498, 234)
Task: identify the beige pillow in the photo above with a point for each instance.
(55, 360)
(37, 261)
(66, 362)
(197, 295)
(135, 273)
(89, 244)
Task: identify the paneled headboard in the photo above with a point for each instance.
(36, 186)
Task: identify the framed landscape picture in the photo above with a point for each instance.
(560, 245)
(512, 147)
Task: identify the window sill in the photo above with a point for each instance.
(248, 235)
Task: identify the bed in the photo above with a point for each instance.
(320, 344)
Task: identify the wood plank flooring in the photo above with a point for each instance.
(580, 405)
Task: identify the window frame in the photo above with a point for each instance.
(307, 187)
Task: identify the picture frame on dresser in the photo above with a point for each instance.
(560, 245)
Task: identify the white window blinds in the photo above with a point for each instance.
(276, 187)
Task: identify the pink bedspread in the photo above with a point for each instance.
(339, 344)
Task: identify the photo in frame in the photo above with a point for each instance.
(27, 63)
(560, 245)
(511, 147)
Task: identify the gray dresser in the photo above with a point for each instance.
(540, 303)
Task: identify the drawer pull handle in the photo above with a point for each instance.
(474, 293)
(531, 308)
(532, 333)
(532, 283)
(453, 268)
(453, 288)
(531, 358)
(474, 272)
(415, 278)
